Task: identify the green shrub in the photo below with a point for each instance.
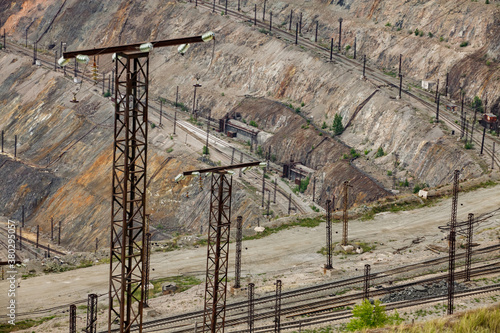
(441, 39)
(380, 152)
(253, 123)
(430, 35)
(347, 47)
(388, 24)
(324, 125)
(302, 104)
(468, 145)
(389, 173)
(366, 315)
(106, 94)
(417, 32)
(354, 153)
(153, 125)
(464, 44)
(303, 186)
(205, 150)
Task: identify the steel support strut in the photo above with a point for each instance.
(72, 318)
(218, 252)
(344, 216)
(128, 206)
(366, 292)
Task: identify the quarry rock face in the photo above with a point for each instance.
(65, 149)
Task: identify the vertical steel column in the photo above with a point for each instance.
(462, 118)
(263, 12)
(270, 21)
(289, 203)
(468, 253)
(400, 85)
(48, 250)
(225, 9)
(241, 161)
(275, 185)
(91, 314)
(72, 318)
(255, 15)
(446, 89)
(59, 234)
(366, 292)
(451, 239)
(400, 58)
(364, 66)
(55, 61)
(22, 216)
(15, 146)
(51, 229)
(316, 35)
(96, 244)
(340, 33)
(263, 186)
(147, 257)
(239, 8)
(277, 308)
(128, 206)
(208, 127)
(2, 140)
(344, 216)
(194, 99)
(20, 238)
(217, 253)
(37, 235)
(232, 156)
(328, 236)
(300, 23)
(250, 307)
(472, 125)
(331, 50)
(296, 33)
(268, 203)
(482, 141)
(291, 17)
(213, 8)
(437, 91)
(237, 262)
(355, 46)
(437, 109)
(161, 109)
(175, 120)
(493, 156)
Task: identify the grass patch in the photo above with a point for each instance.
(23, 324)
(307, 222)
(183, 283)
(489, 183)
(396, 207)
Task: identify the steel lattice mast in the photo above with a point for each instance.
(128, 212)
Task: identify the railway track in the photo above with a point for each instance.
(313, 293)
(24, 239)
(446, 116)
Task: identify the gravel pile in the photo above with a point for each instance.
(421, 291)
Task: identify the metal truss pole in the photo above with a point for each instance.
(218, 252)
(277, 308)
(250, 307)
(366, 293)
(91, 314)
(128, 212)
(468, 254)
(328, 236)
(345, 217)
(72, 318)
(451, 239)
(239, 233)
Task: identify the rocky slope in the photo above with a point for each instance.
(244, 61)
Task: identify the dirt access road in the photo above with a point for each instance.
(292, 252)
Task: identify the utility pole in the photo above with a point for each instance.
(277, 308)
(437, 109)
(473, 124)
(400, 60)
(290, 24)
(128, 204)
(22, 216)
(59, 234)
(468, 253)
(37, 234)
(255, 16)
(331, 50)
(197, 85)
(263, 186)
(147, 261)
(92, 314)
(270, 21)
(51, 229)
(263, 12)
(446, 89)
(175, 120)
(161, 109)
(493, 156)
(289, 203)
(314, 188)
(437, 91)
(316, 35)
(250, 307)
(275, 185)
(328, 236)
(239, 234)
(15, 146)
(451, 242)
(344, 217)
(300, 23)
(400, 85)
(340, 33)
(296, 33)
(366, 293)
(355, 47)
(364, 66)
(72, 318)
(482, 141)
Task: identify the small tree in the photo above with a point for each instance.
(367, 315)
(337, 126)
(477, 104)
(380, 152)
(205, 150)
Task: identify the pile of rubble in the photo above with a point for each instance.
(422, 291)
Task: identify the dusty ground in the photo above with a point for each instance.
(290, 255)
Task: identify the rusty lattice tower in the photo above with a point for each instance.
(239, 233)
(451, 240)
(468, 253)
(128, 206)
